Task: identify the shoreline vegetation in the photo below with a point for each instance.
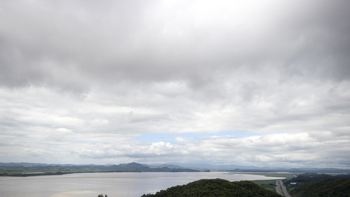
(38, 169)
(35, 169)
(22, 171)
(286, 175)
(25, 170)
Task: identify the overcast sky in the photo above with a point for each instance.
(245, 82)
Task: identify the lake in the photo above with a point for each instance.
(120, 184)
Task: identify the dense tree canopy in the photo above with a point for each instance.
(330, 187)
(215, 188)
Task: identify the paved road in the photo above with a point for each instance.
(278, 184)
(278, 190)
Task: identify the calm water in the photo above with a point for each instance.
(112, 184)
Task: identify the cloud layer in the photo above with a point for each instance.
(81, 81)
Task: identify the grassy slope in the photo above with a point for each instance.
(267, 184)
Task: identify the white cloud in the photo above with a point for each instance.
(84, 80)
(287, 150)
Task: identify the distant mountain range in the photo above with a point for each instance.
(176, 167)
(238, 168)
(215, 167)
(162, 165)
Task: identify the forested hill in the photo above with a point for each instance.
(215, 188)
(330, 187)
(308, 177)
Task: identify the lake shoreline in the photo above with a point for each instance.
(116, 184)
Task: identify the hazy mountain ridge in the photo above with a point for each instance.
(238, 168)
(163, 165)
(197, 166)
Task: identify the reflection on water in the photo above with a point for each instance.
(122, 184)
(75, 193)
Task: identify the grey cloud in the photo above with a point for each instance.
(290, 149)
(114, 41)
(179, 67)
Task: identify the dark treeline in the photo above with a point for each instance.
(308, 177)
(319, 185)
(215, 188)
(330, 187)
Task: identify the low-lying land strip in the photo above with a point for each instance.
(267, 184)
(59, 170)
(269, 174)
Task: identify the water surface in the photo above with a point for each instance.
(121, 184)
